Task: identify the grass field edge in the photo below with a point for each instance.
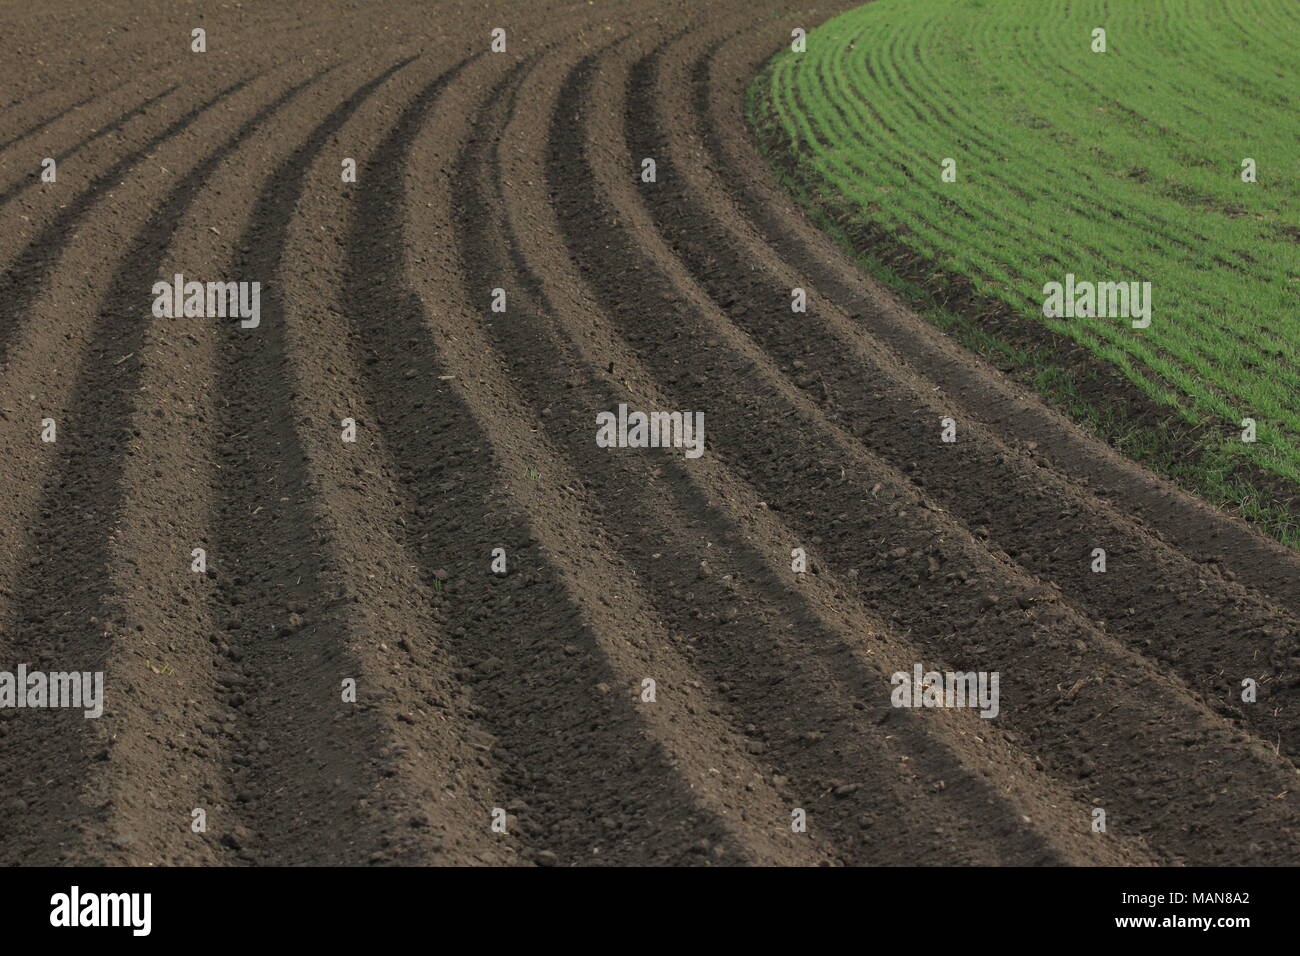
(1071, 379)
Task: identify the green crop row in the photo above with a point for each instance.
(1117, 166)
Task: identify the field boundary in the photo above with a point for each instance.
(1092, 392)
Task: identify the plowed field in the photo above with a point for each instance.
(329, 561)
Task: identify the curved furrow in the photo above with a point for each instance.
(1152, 596)
(435, 790)
(40, 78)
(32, 262)
(30, 176)
(54, 117)
(558, 647)
(50, 58)
(47, 216)
(521, 351)
(210, 532)
(640, 817)
(63, 613)
(296, 624)
(97, 45)
(804, 639)
(1040, 648)
(241, 726)
(161, 762)
(171, 485)
(66, 130)
(1198, 530)
(44, 353)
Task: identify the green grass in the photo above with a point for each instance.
(1116, 166)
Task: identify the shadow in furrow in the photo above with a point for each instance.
(757, 671)
(570, 751)
(1206, 536)
(788, 453)
(86, 141)
(23, 280)
(65, 617)
(46, 123)
(305, 761)
(1209, 632)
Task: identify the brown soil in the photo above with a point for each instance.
(476, 431)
